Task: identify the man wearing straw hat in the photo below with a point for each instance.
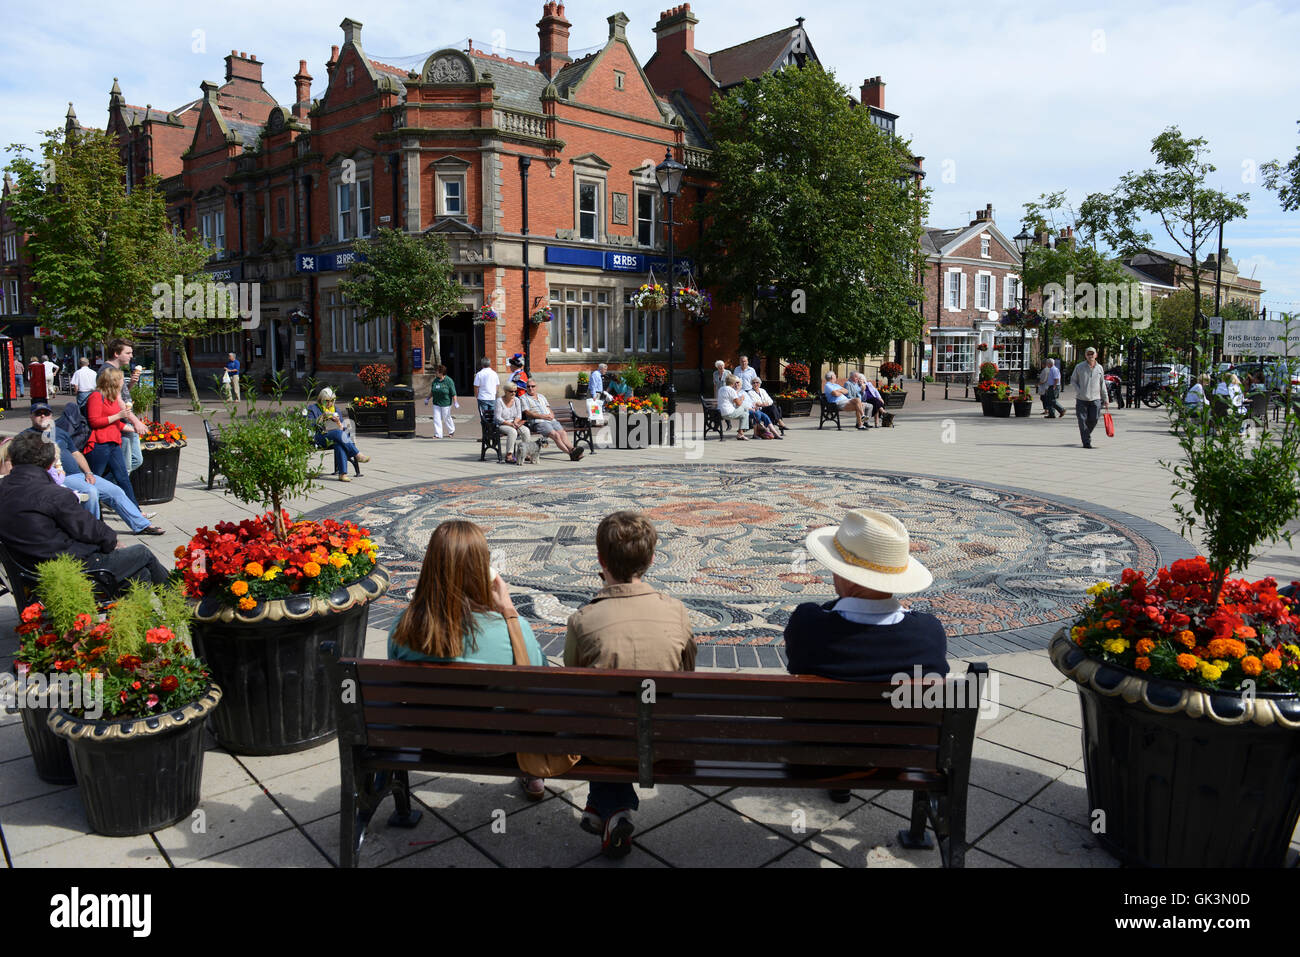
(865, 635)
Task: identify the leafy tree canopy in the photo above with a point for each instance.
(813, 200)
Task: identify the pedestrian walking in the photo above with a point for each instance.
(1089, 381)
(486, 384)
(1049, 388)
(442, 393)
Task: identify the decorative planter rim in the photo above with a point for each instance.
(211, 608)
(1162, 696)
(70, 727)
(163, 446)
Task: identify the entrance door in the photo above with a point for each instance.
(462, 344)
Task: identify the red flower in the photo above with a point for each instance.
(136, 685)
(32, 612)
(170, 683)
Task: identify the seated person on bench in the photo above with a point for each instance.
(44, 520)
(329, 429)
(866, 635)
(838, 395)
(629, 625)
(459, 610)
(541, 421)
(765, 402)
(870, 396)
(731, 407)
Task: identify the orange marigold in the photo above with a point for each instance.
(1113, 625)
(1144, 647)
(1245, 631)
(247, 603)
(1142, 664)
(255, 569)
(1186, 662)
(1227, 648)
(239, 588)
(311, 569)
(1185, 638)
(1251, 665)
(180, 551)
(1272, 661)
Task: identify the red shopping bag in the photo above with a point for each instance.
(1109, 423)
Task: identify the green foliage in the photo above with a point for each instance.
(1285, 181)
(96, 249)
(1238, 486)
(266, 456)
(65, 590)
(143, 396)
(988, 370)
(814, 199)
(632, 375)
(131, 618)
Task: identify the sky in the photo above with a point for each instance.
(1006, 100)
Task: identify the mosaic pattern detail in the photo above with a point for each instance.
(731, 545)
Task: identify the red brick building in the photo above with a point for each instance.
(972, 277)
(283, 191)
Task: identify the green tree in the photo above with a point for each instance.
(814, 200)
(1173, 190)
(97, 249)
(406, 277)
(1071, 264)
(1285, 181)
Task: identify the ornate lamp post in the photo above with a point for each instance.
(669, 175)
(1022, 244)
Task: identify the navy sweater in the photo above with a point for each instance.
(820, 642)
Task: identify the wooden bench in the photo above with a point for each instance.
(579, 430)
(713, 421)
(491, 438)
(830, 411)
(652, 728)
(171, 383)
(18, 578)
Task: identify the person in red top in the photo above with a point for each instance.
(36, 379)
(105, 414)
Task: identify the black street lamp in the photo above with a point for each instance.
(669, 174)
(1022, 244)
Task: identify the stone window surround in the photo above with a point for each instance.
(448, 168)
(365, 170)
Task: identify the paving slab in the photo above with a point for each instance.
(869, 838)
(1010, 773)
(1038, 736)
(713, 835)
(1034, 838)
(95, 850)
(383, 844)
(222, 822)
(984, 809)
(453, 853)
(289, 848)
(1066, 797)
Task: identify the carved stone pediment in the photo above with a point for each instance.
(448, 66)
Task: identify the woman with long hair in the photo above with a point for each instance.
(461, 612)
(106, 414)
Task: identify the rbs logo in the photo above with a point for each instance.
(624, 261)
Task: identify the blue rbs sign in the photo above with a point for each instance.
(611, 261)
(328, 262)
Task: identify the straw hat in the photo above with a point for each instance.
(870, 549)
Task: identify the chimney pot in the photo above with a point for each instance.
(553, 36)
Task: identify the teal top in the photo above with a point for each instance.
(442, 392)
(491, 641)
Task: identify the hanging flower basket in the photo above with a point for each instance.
(541, 316)
(694, 302)
(485, 315)
(651, 296)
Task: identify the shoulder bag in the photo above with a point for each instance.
(538, 765)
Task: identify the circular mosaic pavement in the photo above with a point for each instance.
(1007, 564)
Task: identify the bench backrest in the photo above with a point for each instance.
(645, 716)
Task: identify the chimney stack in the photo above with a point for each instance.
(302, 91)
(984, 215)
(553, 33)
(240, 66)
(332, 62)
(873, 92)
(675, 31)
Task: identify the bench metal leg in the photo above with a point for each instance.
(403, 816)
(914, 837)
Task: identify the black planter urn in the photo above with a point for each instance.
(154, 482)
(1183, 776)
(279, 698)
(138, 775)
(49, 751)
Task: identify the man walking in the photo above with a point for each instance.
(233, 368)
(1049, 388)
(83, 381)
(1089, 381)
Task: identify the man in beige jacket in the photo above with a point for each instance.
(631, 626)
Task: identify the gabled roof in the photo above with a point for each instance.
(1145, 277)
(941, 242)
(753, 58)
(572, 73)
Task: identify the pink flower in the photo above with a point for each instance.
(151, 701)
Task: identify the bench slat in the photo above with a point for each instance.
(623, 704)
(491, 741)
(776, 729)
(442, 718)
(866, 711)
(794, 753)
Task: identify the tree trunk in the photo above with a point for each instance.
(195, 404)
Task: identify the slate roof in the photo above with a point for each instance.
(248, 131)
(571, 73)
(1145, 277)
(750, 59)
(696, 131)
(933, 240)
(519, 85)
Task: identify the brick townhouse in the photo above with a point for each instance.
(283, 190)
(972, 277)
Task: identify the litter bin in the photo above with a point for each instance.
(401, 412)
